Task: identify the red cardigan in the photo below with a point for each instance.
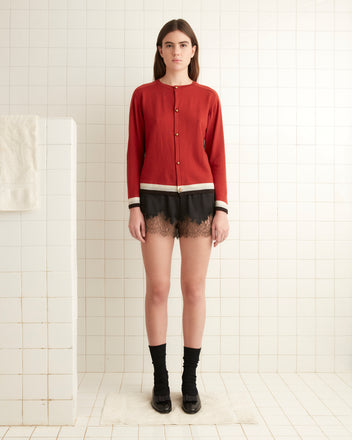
(176, 141)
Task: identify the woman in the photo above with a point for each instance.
(176, 180)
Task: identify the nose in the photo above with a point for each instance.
(176, 50)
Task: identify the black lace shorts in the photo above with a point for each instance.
(188, 214)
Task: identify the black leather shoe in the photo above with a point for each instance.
(161, 403)
(191, 404)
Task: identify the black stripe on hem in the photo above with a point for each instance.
(220, 208)
(134, 205)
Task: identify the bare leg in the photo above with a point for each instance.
(157, 252)
(195, 254)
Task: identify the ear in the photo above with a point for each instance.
(194, 48)
(160, 51)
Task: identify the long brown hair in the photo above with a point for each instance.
(170, 26)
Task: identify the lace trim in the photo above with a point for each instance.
(183, 228)
(159, 225)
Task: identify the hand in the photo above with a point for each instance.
(136, 224)
(220, 227)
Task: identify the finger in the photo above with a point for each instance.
(219, 238)
(213, 233)
(143, 229)
(135, 233)
(216, 239)
(139, 236)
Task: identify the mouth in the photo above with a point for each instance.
(176, 61)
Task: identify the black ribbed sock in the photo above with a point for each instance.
(190, 362)
(161, 375)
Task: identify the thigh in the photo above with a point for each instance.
(195, 254)
(157, 253)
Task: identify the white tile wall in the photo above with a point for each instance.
(279, 289)
(38, 290)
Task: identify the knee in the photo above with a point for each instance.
(158, 291)
(193, 291)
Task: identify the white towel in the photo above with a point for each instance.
(134, 408)
(19, 176)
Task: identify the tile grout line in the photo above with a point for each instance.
(278, 402)
(297, 375)
(252, 400)
(307, 384)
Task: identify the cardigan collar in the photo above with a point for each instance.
(169, 86)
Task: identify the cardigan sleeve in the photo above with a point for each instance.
(215, 148)
(135, 149)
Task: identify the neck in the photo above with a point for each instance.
(176, 79)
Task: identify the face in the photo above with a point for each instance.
(177, 50)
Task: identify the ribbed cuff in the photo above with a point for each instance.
(221, 206)
(133, 202)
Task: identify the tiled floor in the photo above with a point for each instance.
(306, 406)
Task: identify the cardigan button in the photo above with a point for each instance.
(176, 134)
(176, 87)
(176, 109)
(179, 190)
(178, 163)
